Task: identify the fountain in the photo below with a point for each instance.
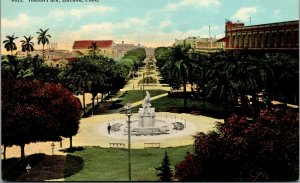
(147, 124)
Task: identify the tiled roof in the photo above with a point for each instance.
(70, 59)
(85, 44)
(78, 52)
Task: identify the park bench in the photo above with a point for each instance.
(116, 127)
(117, 145)
(153, 144)
(178, 126)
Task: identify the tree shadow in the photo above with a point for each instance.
(43, 167)
(71, 150)
(73, 165)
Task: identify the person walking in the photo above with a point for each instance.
(108, 128)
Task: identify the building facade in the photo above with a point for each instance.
(104, 47)
(280, 36)
(201, 44)
(121, 49)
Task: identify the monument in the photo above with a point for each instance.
(146, 113)
(147, 124)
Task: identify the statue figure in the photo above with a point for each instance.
(147, 100)
(147, 113)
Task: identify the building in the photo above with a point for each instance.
(150, 52)
(201, 44)
(52, 55)
(190, 41)
(211, 44)
(60, 62)
(280, 36)
(104, 47)
(121, 49)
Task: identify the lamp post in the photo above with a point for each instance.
(128, 113)
(52, 147)
(28, 168)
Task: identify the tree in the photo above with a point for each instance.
(94, 48)
(164, 171)
(265, 149)
(29, 67)
(44, 39)
(178, 66)
(33, 111)
(9, 44)
(65, 107)
(27, 45)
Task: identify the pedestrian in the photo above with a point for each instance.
(108, 128)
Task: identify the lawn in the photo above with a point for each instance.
(107, 164)
(165, 104)
(137, 95)
(93, 164)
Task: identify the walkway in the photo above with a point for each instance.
(93, 130)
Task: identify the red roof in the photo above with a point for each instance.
(71, 59)
(85, 44)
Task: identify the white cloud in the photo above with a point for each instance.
(21, 21)
(151, 37)
(164, 24)
(244, 13)
(131, 22)
(192, 3)
(79, 12)
(109, 27)
(103, 27)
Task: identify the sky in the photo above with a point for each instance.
(151, 23)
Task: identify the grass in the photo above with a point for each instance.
(137, 95)
(107, 164)
(165, 104)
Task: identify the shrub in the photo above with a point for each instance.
(265, 149)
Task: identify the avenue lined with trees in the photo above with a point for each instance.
(256, 142)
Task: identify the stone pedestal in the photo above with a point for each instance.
(146, 113)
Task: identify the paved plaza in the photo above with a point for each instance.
(93, 132)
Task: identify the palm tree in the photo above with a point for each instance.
(179, 66)
(43, 38)
(220, 83)
(27, 45)
(94, 48)
(9, 44)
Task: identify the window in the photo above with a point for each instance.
(240, 42)
(268, 40)
(281, 39)
(296, 38)
(255, 41)
(262, 40)
(289, 38)
(274, 44)
(250, 41)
